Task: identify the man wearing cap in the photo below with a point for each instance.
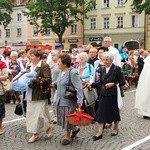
(58, 46)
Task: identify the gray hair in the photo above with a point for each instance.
(55, 52)
(84, 54)
(108, 55)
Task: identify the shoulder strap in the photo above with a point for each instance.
(69, 81)
(90, 68)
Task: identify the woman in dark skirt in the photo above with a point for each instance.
(108, 111)
(67, 106)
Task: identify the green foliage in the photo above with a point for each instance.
(5, 11)
(141, 5)
(57, 15)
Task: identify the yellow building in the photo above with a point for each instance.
(115, 19)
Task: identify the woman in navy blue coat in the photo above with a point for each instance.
(108, 111)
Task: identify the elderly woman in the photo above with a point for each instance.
(67, 106)
(85, 70)
(108, 110)
(37, 115)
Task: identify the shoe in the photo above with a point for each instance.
(74, 133)
(146, 117)
(95, 138)
(49, 132)
(1, 132)
(65, 142)
(93, 122)
(33, 138)
(114, 134)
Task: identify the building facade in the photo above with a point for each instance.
(16, 32)
(20, 31)
(115, 19)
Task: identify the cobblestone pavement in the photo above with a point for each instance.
(132, 128)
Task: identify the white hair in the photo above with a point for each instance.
(84, 54)
(55, 52)
(108, 38)
(108, 55)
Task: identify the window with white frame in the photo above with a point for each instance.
(7, 32)
(74, 28)
(120, 2)
(19, 17)
(120, 22)
(18, 32)
(134, 21)
(35, 31)
(19, 2)
(106, 3)
(106, 22)
(93, 23)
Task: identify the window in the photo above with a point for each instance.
(19, 2)
(134, 21)
(106, 22)
(106, 3)
(19, 32)
(73, 28)
(120, 2)
(120, 22)
(35, 31)
(47, 32)
(93, 23)
(116, 45)
(7, 32)
(19, 17)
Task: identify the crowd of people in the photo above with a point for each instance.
(100, 68)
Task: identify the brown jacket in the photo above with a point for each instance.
(44, 73)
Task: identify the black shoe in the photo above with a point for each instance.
(65, 142)
(146, 117)
(95, 138)
(114, 134)
(74, 133)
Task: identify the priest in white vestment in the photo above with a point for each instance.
(142, 99)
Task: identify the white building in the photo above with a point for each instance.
(17, 29)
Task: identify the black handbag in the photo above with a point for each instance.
(19, 110)
(70, 92)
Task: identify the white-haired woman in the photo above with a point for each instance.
(86, 72)
(108, 111)
(85, 69)
(14, 67)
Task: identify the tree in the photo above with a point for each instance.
(56, 15)
(141, 5)
(6, 8)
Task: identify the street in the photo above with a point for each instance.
(133, 128)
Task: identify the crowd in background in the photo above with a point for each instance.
(88, 63)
